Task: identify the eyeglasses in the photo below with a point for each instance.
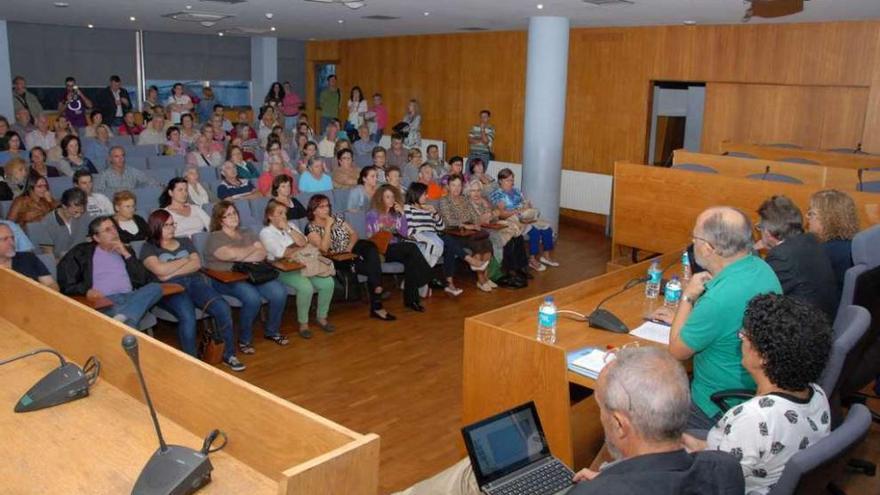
(231, 214)
(611, 354)
(811, 213)
(695, 238)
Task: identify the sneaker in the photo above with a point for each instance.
(548, 262)
(484, 287)
(492, 284)
(234, 364)
(538, 267)
(453, 291)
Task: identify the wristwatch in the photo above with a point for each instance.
(688, 299)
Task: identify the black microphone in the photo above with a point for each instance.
(861, 172)
(766, 172)
(65, 383)
(173, 469)
(606, 320)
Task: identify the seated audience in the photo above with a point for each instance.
(199, 195)
(458, 213)
(66, 226)
(642, 432)
(178, 103)
(130, 226)
(23, 122)
(332, 234)
(412, 167)
(477, 170)
(244, 169)
(426, 177)
(833, 219)
(219, 112)
(387, 227)
(98, 149)
(42, 136)
(129, 126)
(173, 146)
(281, 190)
(188, 131)
(267, 122)
(39, 165)
(327, 145)
(455, 167)
(785, 346)
(214, 145)
(105, 267)
(33, 204)
(175, 260)
(154, 133)
(283, 240)
(276, 169)
(796, 257)
(152, 105)
(397, 155)
(393, 177)
(380, 162)
(275, 151)
(441, 168)
(229, 244)
(14, 179)
(14, 147)
(507, 243)
(73, 158)
(233, 188)
(309, 153)
(315, 178)
(22, 243)
(203, 154)
(361, 195)
(119, 177)
(712, 306)
(345, 174)
(513, 206)
(97, 204)
(96, 119)
(363, 147)
(189, 218)
(248, 136)
(24, 262)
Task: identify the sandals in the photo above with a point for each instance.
(246, 348)
(277, 338)
(481, 267)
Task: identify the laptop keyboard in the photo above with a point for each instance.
(548, 479)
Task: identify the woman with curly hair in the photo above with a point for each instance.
(785, 345)
(832, 218)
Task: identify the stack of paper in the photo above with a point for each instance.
(588, 362)
(655, 332)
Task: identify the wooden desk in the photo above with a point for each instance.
(826, 158)
(287, 266)
(226, 277)
(104, 440)
(504, 364)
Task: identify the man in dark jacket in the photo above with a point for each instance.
(105, 267)
(797, 258)
(113, 101)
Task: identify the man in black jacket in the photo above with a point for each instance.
(113, 101)
(797, 258)
(105, 267)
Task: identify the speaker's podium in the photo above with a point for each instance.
(99, 444)
(504, 364)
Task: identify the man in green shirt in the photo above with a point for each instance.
(329, 100)
(710, 314)
(481, 139)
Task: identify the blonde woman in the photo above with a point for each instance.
(833, 219)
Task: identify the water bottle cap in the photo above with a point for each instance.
(548, 298)
(675, 277)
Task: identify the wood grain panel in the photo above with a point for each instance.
(809, 116)
(826, 158)
(609, 78)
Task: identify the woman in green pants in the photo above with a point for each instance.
(282, 239)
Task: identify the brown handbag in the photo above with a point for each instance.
(211, 346)
(382, 240)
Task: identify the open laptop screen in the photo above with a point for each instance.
(505, 442)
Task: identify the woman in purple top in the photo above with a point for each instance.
(386, 215)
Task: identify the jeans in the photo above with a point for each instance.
(183, 306)
(416, 271)
(305, 289)
(251, 297)
(290, 122)
(700, 421)
(452, 250)
(134, 304)
(538, 237)
(369, 264)
(377, 136)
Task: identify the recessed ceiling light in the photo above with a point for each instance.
(91, 26)
(220, 33)
(132, 18)
(272, 28)
(312, 39)
(189, 7)
(341, 21)
(540, 6)
(61, 4)
(427, 14)
(689, 23)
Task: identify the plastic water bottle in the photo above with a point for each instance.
(685, 266)
(547, 321)
(652, 287)
(672, 294)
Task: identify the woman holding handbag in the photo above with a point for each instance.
(229, 244)
(386, 227)
(174, 259)
(331, 234)
(458, 213)
(284, 241)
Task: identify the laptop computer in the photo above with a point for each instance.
(509, 455)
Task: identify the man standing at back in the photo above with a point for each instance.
(481, 139)
(711, 311)
(329, 100)
(113, 101)
(24, 99)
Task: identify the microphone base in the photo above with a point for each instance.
(606, 320)
(63, 384)
(177, 471)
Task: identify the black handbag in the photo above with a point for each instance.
(346, 287)
(211, 346)
(401, 128)
(257, 273)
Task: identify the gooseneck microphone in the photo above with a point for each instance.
(130, 344)
(173, 469)
(860, 173)
(766, 172)
(65, 383)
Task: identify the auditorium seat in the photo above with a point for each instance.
(797, 159)
(144, 150)
(785, 145)
(164, 175)
(740, 154)
(695, 167)
(870, 186)
(776, 178)
(157, 162)
(57, 185)
(138, 162)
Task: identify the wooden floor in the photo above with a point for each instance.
(402, 380)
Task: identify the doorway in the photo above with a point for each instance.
(676, 119)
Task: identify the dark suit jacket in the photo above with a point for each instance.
(75, 270)
(105, 103)
(708, 472)
(805, 272)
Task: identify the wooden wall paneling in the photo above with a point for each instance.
(871, 133)
(352, 468)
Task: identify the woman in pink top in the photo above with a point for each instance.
(290, 106)
(276, 168)
(380, 118)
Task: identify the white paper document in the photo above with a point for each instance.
(654, 332)
(593, 361)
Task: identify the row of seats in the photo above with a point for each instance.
(870, 186)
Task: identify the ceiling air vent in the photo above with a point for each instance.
(225, 1)
(380, 17)
(200, 17)
(246, 31)
(609, 2)
(473, 29)
(352, 4)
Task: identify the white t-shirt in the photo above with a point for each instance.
(356, 111)
(276, 241)
(180, 100)
(765, 431)
(197, 221)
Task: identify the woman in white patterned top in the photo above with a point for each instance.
(785, 346)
